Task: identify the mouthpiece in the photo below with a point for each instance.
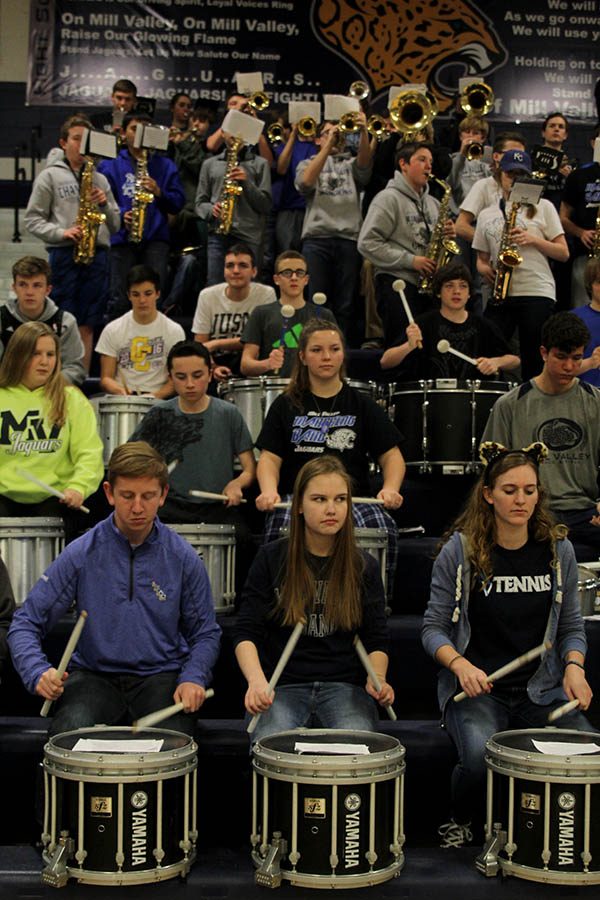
(443, 346)
(398, 285)
(319, 298)
(287, 311)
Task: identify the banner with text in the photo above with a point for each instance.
(538, 56)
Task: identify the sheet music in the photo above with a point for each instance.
(345, 749)
(133, 745)
(560, 748)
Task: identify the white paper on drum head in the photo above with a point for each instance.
(94, 745)
(345, 749)
(558, 748)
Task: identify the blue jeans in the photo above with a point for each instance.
(122, 258)
(471, 723)
(80, 290)
(288, 229)
(333, 267)
(217, 247)
(333, 704)
(103, 698)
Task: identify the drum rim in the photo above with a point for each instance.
(252, 383)
(202, 528)
(120, 400)
(32, 522)
(501, 757)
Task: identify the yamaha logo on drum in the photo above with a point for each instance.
(352, 824)
(139, 828)
(566, 828)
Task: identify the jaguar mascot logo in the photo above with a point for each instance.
(434, 42)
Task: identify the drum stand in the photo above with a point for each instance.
(269, 873)
(56, 873)
(487, 861)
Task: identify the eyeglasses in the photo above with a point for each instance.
(287, 273)
(237, 265)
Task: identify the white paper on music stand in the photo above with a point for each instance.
(558, 748)
(344, 749)
(337, 105)
(298, 109)
(401, 88)
(243, 126)
(132, 745)
(523, 192)
(249, 82)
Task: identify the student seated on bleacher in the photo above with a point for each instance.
(151, 638)
(320, 576)
(133, 348)
(47, 429)
(31, 284)
(477, 621)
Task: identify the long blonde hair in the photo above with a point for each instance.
(477, 520)
(17, 357)
(299, 379)
(343, 606)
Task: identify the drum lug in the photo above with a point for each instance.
(268, 873)
(56, 873)
(487, 861)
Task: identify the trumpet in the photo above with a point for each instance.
(359, 90)
(412, 111)
(474, 150)
(307, 127)
(377, 127)
(258, 101)
(275, 133)
(477, 99)
(349, 123)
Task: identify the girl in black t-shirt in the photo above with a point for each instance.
(504, 582)
(319, 575)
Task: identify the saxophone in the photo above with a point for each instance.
(230, 190)
(508, 257)
(141, 198)
(440, 248)
(595, 251)
(89, 218)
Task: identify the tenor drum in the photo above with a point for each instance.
(588, 587)
(28, 546)
(325, 817)
(542, 805)
(443, 422)
(120, 807)
(215, 544)
(118, 417)
(253, 397)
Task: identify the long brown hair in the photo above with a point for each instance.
(478, 524)
(299, 380)
(17, 357)
(343, 606)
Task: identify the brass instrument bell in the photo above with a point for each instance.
(307, 127)
(275, 133)
(258, 101)
(474, 150)
(412, 111)
(359, 90)
(377, 127)
(349, 123)
(477, 99)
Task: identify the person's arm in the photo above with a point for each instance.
(393, 356)
(585, 235)
(366, 148)
(85, 446)
(109, 206)
(37, 215)
(236, 486)
(226, 345)
(71, 353)
(308, 174)
(591, 362)
(164, 392)
(485, 267)
(488, 365)
(285, 157)
(571, 643)
(393, 469)
(251, 365)
(464, 225)
(108, 370)
(555, 249)
(267, 473)
(206, 194)
(257, 187)
(215, 141)
(257, 697)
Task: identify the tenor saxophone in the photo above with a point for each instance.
(141, 198)
(440, 248)
(89, 218)
(231, 189)
(508, 257)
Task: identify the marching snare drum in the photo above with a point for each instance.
(28, 546)
(215, 544)
(588, 588)
(541, 806)
(253, 397)
(118, 417)
(117, 814)
(443, 421)
(327, 819)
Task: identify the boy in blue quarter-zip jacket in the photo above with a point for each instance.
(151, 638)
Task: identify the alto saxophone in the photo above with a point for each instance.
(231, 189)
(508, 257)
(440, 248)
(89, 218)
(141, 198)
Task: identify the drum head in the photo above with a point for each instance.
(285, 741)
(171, 740)
(522, 741)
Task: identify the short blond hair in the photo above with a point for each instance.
(137, 459)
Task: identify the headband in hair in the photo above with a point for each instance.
(490, 452)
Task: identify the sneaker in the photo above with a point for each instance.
(455, 835)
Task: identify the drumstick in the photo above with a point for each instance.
(444, 347)
(287, 504)
(208, 495)
(319, 299)
(287, 312)
(46, 487)
(512, 666)
(364, 658)
(398, 285)
(172, 465)
(561, 711)
(283, 659)
(68, 653)
(161, 714)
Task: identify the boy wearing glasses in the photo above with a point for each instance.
(223, 310)
(270, 339)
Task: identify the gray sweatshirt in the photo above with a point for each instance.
(252, 206)
(333, 203)
(54, 204)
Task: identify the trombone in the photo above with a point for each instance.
(359, 90)
(477, 99)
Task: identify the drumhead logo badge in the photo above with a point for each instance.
(101, 806)
(566, 828)
(352, 826)
(139, 800)
(139, 828)
(315, 807)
